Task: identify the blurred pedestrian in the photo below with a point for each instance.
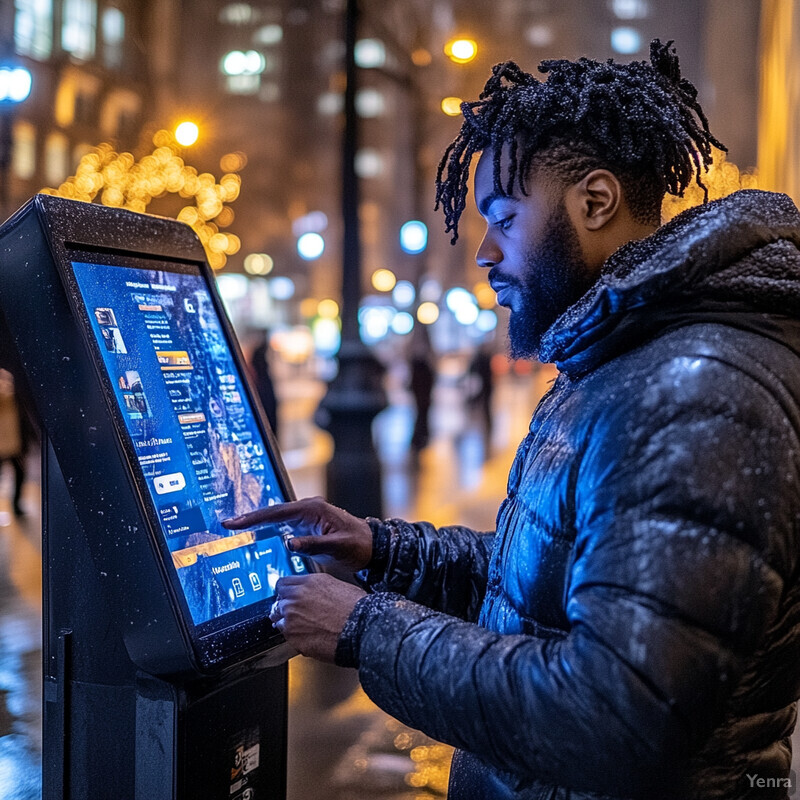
(262, 378)
(480, 380)
(12, 437)
(422, 378)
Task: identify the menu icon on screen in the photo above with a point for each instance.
(173, 482)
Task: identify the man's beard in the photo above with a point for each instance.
(556, 276)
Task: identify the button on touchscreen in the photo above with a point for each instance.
(192, 429)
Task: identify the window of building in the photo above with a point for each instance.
(119, 114)
(113, 29)
(23, 153)
(65, 102)
(238, 14)
(85, 107)
(370, 103)
(243, 69)
(243, 84)
(79, 28)
(269, 92)
(33, 28)
(76, 98)
(56, 159)
(268, 35)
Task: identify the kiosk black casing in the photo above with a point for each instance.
(142, 708)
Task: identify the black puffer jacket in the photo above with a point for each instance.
(638, 610)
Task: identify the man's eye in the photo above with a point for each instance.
(504, 223)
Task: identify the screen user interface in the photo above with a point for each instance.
(192, 429)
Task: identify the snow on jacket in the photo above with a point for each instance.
(638, 610)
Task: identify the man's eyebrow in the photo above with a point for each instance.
(486, 203)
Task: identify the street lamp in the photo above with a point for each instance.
(461, 51)
(15, 86)
(187, 133)
(356, 395)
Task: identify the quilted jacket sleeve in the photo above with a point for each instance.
(442, 568)
(686, 509)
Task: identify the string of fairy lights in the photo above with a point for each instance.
(118, 180)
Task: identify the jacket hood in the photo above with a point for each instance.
(734, 260)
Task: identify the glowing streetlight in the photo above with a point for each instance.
(187, 133)
(310, 246)
(461, 51)
(15, 84)
(414, 236)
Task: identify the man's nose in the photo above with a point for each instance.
(488, 254)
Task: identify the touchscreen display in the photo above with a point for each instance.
(192, 429)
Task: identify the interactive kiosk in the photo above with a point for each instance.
(163, 677)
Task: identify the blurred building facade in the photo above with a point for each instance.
(90, 66)
(264, 79)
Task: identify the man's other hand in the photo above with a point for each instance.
(311, 610)
(336, 540)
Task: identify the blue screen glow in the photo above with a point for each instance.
(193, 430)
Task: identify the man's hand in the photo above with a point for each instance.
(336, 540)
(311, 610)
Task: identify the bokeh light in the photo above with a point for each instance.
(484, 294)
(430, 289)
(452, 106)
(370, 53)
(403, 294)
(281, 288)
(187, 133)
(626, 41)
(461, 51)
(375, 321)
(233, 162)
(238, 62)
(428, 313)
(327, 336)
(328, 308)
(414, 236)
(487, 320)
(15, 84)
(383, 280)
(258, 264)
(402, 323)
(312, 222)
(308, 307)
(421, 57)
(118, 180)
(467, 314)
(457, 297)
(310, 246)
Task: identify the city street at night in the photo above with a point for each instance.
(341, 747)
(505, 295)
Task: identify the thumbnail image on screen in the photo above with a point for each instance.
(193, 431)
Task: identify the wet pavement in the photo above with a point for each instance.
(20, 642)
(341, 747)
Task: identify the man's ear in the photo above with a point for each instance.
(594, 201)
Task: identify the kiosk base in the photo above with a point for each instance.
(111, 730)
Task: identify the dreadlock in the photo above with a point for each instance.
(640, 120)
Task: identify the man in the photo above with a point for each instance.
(631, 630)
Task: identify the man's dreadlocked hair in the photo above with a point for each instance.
(636, 120)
